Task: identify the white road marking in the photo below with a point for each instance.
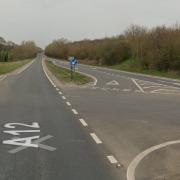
(83, 122)
(166, 90)
(3, 77)
(96, 139)
(17, 132)
(112, 159)
(36, 142)
(163, 81)
(140, 88)
(152, 87)
(46, 73)
(115, 89)
(74, 111)
(177, 84)
(57, 89)
(68, 103)
(132, 167)
(27, 142)
(60, 92)
(63, 97)
(113, 83)
(126, 90)
(13, 125)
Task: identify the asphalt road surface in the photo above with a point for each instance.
(41, 138)
(137, 117)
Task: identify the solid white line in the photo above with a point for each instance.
(74, 111)
(63, 97)
(112, 159)
(83, 122)
(96, 139)
(140, 88)
(46, 73)
(60, 92)
(132, 167)
(68, 103)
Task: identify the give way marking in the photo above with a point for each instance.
(113, 83)
(26, 142)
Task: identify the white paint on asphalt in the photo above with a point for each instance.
(3, 77)
(139, 87)
(47, 74)
(17, 132)
(83, 122)
(126, 90)
(112, 83)
(14, 125)
(177, 84)
(57, 89)
(63, 97)
(60, 93)
(68, 103)
(96, 139)
(74, 111)
(112, 159)
(133, 165)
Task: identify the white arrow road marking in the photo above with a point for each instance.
(36, 142)
(113, 83)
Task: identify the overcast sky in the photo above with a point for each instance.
(46, 20)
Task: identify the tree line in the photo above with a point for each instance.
(26, 50)
(151, 49)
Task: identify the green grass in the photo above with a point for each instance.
(133, 65)
(64, 75)
(6, 67)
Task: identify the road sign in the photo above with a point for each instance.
(74, 61)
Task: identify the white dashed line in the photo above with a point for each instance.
(83, 122)
(112, 159)
(96, 139)
(63, 97)
(74, 111)
(60, 92)
(57, 89)
(126, 90)
(68, 103)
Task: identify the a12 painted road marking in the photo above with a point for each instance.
(25, 142)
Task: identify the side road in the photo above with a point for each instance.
(131, 122)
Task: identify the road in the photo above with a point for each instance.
(41, 138)
(137, 118)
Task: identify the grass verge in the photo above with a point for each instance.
(64, 75)
(133, 66)
(6, 67)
